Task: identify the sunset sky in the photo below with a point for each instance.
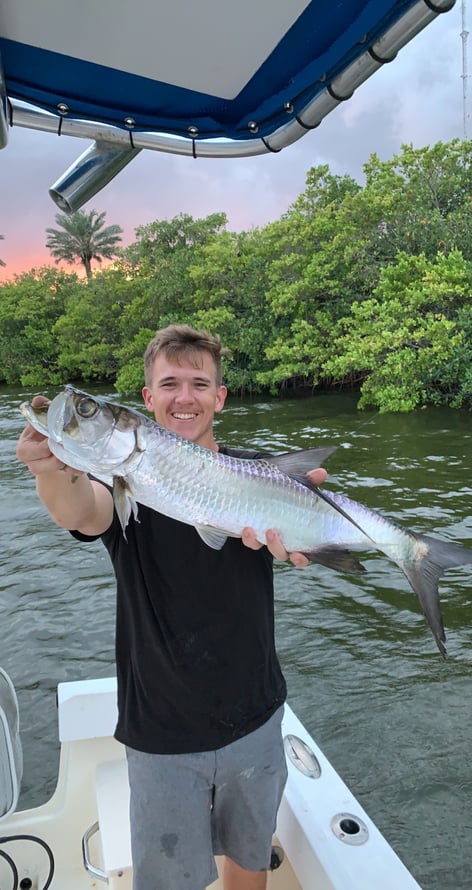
(416, 99)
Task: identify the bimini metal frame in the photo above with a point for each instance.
(3, 108)
(115, 146)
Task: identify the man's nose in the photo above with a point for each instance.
(184, 393)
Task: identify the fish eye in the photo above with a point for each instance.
(86, 408)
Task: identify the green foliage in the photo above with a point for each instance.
(407, 333)
(417, 204)
(131, 375)
(230, 281)
(367, 287)
(89, 333)
(451, 378)
(30, 305)
(429, 192)
(159, 262)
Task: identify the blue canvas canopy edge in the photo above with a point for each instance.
(234, 81)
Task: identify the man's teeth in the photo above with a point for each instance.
(182, 416)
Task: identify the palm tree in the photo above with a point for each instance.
(1, 261)
(84, 238)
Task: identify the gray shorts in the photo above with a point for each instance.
(188, 808)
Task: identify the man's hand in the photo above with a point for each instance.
(72, 499)
(33, 449)
(273, 540)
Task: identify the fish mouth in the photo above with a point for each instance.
(37, 417)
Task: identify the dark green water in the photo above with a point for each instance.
(363, 670)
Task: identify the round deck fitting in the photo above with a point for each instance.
(350, 829)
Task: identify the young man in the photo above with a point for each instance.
(200, 690)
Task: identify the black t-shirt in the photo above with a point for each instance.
(195, 650)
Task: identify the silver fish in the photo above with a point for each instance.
(219, 495)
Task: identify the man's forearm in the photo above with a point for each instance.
(68, 497)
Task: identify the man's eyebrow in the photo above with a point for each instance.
(172, 378)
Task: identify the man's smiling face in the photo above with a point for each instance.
(184, 396)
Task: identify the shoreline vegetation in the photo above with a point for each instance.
(358, 288)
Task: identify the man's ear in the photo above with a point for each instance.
(221, 394)
(147, 396)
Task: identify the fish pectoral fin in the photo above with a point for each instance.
(124, 501)
(337, 559)
(213, 537)
(297, 463)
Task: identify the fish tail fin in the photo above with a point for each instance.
(424, 575)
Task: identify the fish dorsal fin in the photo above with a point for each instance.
(124, 501)
(324, 495)
(213, 537)
(297, 463)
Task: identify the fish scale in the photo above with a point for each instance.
(220, 494)
(197, 497)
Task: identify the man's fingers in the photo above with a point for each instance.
(274, 544)
(318, 476)
(276, 547)
(39, 401)
(249, 539)
(33, 450)
(299, 560)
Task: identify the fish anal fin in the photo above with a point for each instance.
(337, 559)
(213, 537)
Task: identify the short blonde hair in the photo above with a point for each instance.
(183, 341)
